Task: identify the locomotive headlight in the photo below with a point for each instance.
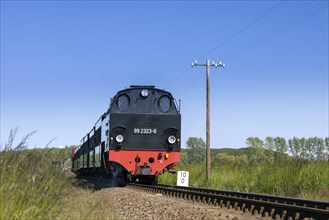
(144, 93)
(119, 138)
(171, 139)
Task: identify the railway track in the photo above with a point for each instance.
(262, 205)
(266, 206)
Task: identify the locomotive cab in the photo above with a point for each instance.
(144, 133)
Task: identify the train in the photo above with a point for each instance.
(135, 140)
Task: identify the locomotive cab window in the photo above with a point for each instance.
(123, 102)
(164, 104)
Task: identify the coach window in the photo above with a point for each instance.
(123, 103)
(164, 104)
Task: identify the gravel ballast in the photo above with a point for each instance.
(133, 204)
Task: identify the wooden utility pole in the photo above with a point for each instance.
(208, 65)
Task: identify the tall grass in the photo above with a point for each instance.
(31, 188)
(294, 178)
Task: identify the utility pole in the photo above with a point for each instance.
(208, 65)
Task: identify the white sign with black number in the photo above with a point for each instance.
(182, 178)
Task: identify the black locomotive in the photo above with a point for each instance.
(137, 139)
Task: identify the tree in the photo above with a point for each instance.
(303, 148)
(257, 149)
(310, 149)
(292, 147)
(196, 150)
(254, 142)
(295, 147)
(315, 148)
(320, 149)
(183, 157)
(326, 143)
(269, 143)
(280, 146)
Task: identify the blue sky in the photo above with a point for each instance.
(61, 62)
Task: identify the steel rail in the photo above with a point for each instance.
(271, 198)
(257, 204)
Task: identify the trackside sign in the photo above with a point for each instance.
(182, 178)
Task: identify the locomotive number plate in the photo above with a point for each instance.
(145, 131)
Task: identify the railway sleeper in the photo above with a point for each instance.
(272, 212)
(252, 208)
(261, 210)
(215, 202)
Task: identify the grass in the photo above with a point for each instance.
(86, 204)
(31, 188)
(293, 178)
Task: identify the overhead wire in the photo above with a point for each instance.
(227, 40)
(282, 26)
(243, 29)
(178, 77)
(297, 17)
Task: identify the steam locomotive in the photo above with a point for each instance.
(136, 140)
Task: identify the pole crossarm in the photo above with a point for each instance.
(213, 63)
(208, 65)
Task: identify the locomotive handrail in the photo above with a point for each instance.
(177, 105)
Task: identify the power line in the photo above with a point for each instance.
(263, 37)
(227, 40)
(243, 29)
(179, 76)
(275, 30)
